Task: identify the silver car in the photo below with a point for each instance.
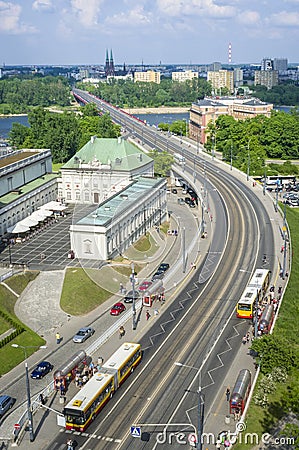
(83, 334)
(6, 402)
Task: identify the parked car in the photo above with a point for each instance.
(117, 309)
(192, 204)
(188, 200)
(6, 403)
(83, 334)
(41, 370)
(181, 201)
(129, 297)
(145, 285)
(174, 191)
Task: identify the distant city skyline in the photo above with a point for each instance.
(78, 32)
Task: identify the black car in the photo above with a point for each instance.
(188, 200)
(41, 370)
(192, 205)
(174, 191)
(163, 266)
(129, 297)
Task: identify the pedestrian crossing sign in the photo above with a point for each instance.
(136, 432)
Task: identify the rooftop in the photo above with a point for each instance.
(107, 153)
(14, 195)
(17, 156)
(102, 215)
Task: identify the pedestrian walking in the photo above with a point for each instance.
(244, 340)
(121, 332)
(70, 445)
(227, 393)
(147, 315)
(121, 288)
(62, 390)
(282, 249)
(247, 337)
(57, 338)
(41, 399)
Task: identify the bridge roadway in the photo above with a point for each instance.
(202, 316)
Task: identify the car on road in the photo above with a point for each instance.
(83, 334)
(163, 266)
(145, 285)
(129, 297)
(157, 275)
(6, 403)
(41, 370)
(117, 309)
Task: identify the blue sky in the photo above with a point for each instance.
(67, 32)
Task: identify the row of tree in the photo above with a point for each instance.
(283, 94)
(252, 141)
(19, 95)
(63, 133)
(127, 94)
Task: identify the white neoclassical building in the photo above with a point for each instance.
(103, 167)
(120, 221)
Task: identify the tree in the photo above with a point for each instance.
(162, 162)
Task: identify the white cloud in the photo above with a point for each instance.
(86, 11)
(10, 19)
(249, 18)
(285, 19)
(42, 5)
(135, 17)
(203, 8)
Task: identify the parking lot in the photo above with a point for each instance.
(48, 249)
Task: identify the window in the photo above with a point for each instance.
(77, 195)
(69, 195)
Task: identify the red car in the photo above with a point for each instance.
(117, 309)
(145, 285)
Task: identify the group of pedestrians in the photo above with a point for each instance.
(81, 378)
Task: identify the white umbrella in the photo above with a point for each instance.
(53, 206)
(38, 215)
(18, 228)
(29, 222)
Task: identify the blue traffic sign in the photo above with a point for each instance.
(136, 432)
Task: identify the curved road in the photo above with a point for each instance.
(186, 331)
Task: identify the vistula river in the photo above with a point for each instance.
(152, 119)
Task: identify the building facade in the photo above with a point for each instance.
(221, 79)
(150, 76)
(268, 78)
(121, 220)
(27, 182)
(209, 109)
(102, 168)
(184, 76)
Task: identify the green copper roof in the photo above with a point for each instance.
(119, 154)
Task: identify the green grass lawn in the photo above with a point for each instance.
(80, 293)
(10, 357)
(261, 420)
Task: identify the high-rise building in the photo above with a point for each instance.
(238, 77)
(267, 64)
(184, 76)
(150, 76)
(280, 64)
(268, 78)
(222, 79)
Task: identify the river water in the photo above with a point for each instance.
(152, 119)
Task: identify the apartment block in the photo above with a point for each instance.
(221, 79)
(150, 76)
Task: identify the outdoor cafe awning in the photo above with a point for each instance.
(18, 228)
(53, 206)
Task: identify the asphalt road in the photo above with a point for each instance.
(155, 393)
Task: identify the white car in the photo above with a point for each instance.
(83, 334)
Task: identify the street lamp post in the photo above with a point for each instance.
(231, 157)
(133, 295)
(200, 405)
(29, 410)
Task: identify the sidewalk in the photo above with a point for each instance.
(38, 306)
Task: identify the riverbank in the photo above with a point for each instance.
(159, 110)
